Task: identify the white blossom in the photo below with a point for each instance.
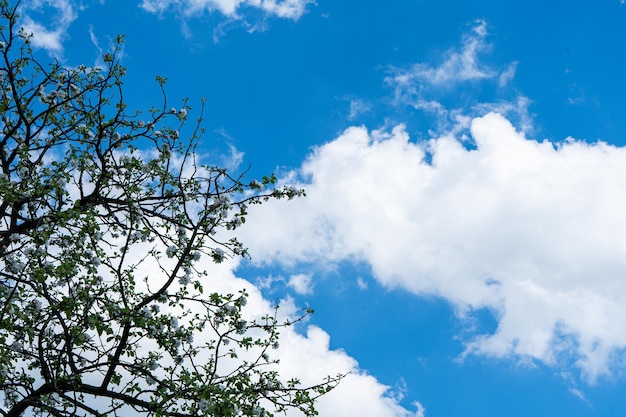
(257, 185)
(222, 200)
(13, 265)
(204, 405)
(218, 255)
(228, 310)
(145, 312)
(171, 251)
(241, 326)
(155, 329)
(174, 322)
(36, 305)
(293, 192)
(235, 223)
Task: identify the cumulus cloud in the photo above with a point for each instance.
(533, 231)
(304, 351)
(358, 394)
(289, 9)
(307, 355)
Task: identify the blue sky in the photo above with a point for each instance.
(463, 240)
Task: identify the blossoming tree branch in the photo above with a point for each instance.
(108, 219)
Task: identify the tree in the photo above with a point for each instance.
(107, 217)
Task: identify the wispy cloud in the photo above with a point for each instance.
(580, 395)
(158, 6)
(358, 106)
(428, 86)
(507, 75)
(48, 21)
(288, 9)
(360, 282)
(421, 410)
(459, 65)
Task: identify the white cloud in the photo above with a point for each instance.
(580, 395)
(289, 9)
(48, 35)
(233, 160)
(516, 110)
(308, 357)
(431, 88)
(360, 282)
(507, 75)
(359, 394)
(301, 283)
(157, 6)
(533, 232)
(305, 355)
(421, 410)
(458, 66)
(357, 107)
